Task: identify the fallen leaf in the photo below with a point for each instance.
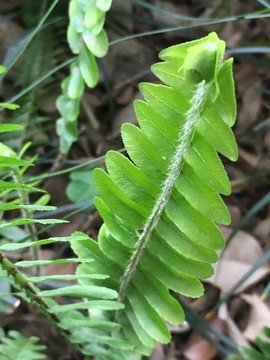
(248, 82)
(158, 353)
(235, 213)
(259, 316)
(232, 330)
(251, 105)
(251, 160)
(262, 231)
(10, 32)
(125, 114)
(238, 257)
(199, 348)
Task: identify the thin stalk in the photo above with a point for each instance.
(91, 163)
(31, 228)
(258, 15)
(174, 170)
(265, 293)
(32, 293)
(90, 114)
(30, 289)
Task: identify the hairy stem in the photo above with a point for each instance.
(30, 290)
(184, 139)
(32, 293)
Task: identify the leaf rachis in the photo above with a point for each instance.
(174, 169)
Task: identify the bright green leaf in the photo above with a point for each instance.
(97, 44)
(88, 67)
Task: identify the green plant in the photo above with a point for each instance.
(15, 191)
(160, 208)
(249, 353)
(81, 186)
(87, 39)
(17, 347)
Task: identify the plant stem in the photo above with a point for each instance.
(184, 139)
(31, 228)
(30, 290)
(32, 293)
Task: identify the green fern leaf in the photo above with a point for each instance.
(32, 221)
(13, 206)
(17, 347)
(160, 208)
(31, 263)
(12, 162)
(261, 353)
(10, 127)
(81, 292)
(6, 185)
(28, 244)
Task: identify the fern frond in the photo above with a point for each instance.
(78, 328)
(17, 347)
(87, 39)
(75, 325)
(249, 353)
(160, 208)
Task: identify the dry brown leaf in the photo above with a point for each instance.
(10, 32)
(241, 253)
(235, 213)
(249, 112)
(199, 348)
(262, 231)
(259, 316)
(252, 160)
(232, 329)
(126, 114)
(158, 353)
(248, 82)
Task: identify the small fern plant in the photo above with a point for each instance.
(87, 39)
(15, 191)
(161, 206)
